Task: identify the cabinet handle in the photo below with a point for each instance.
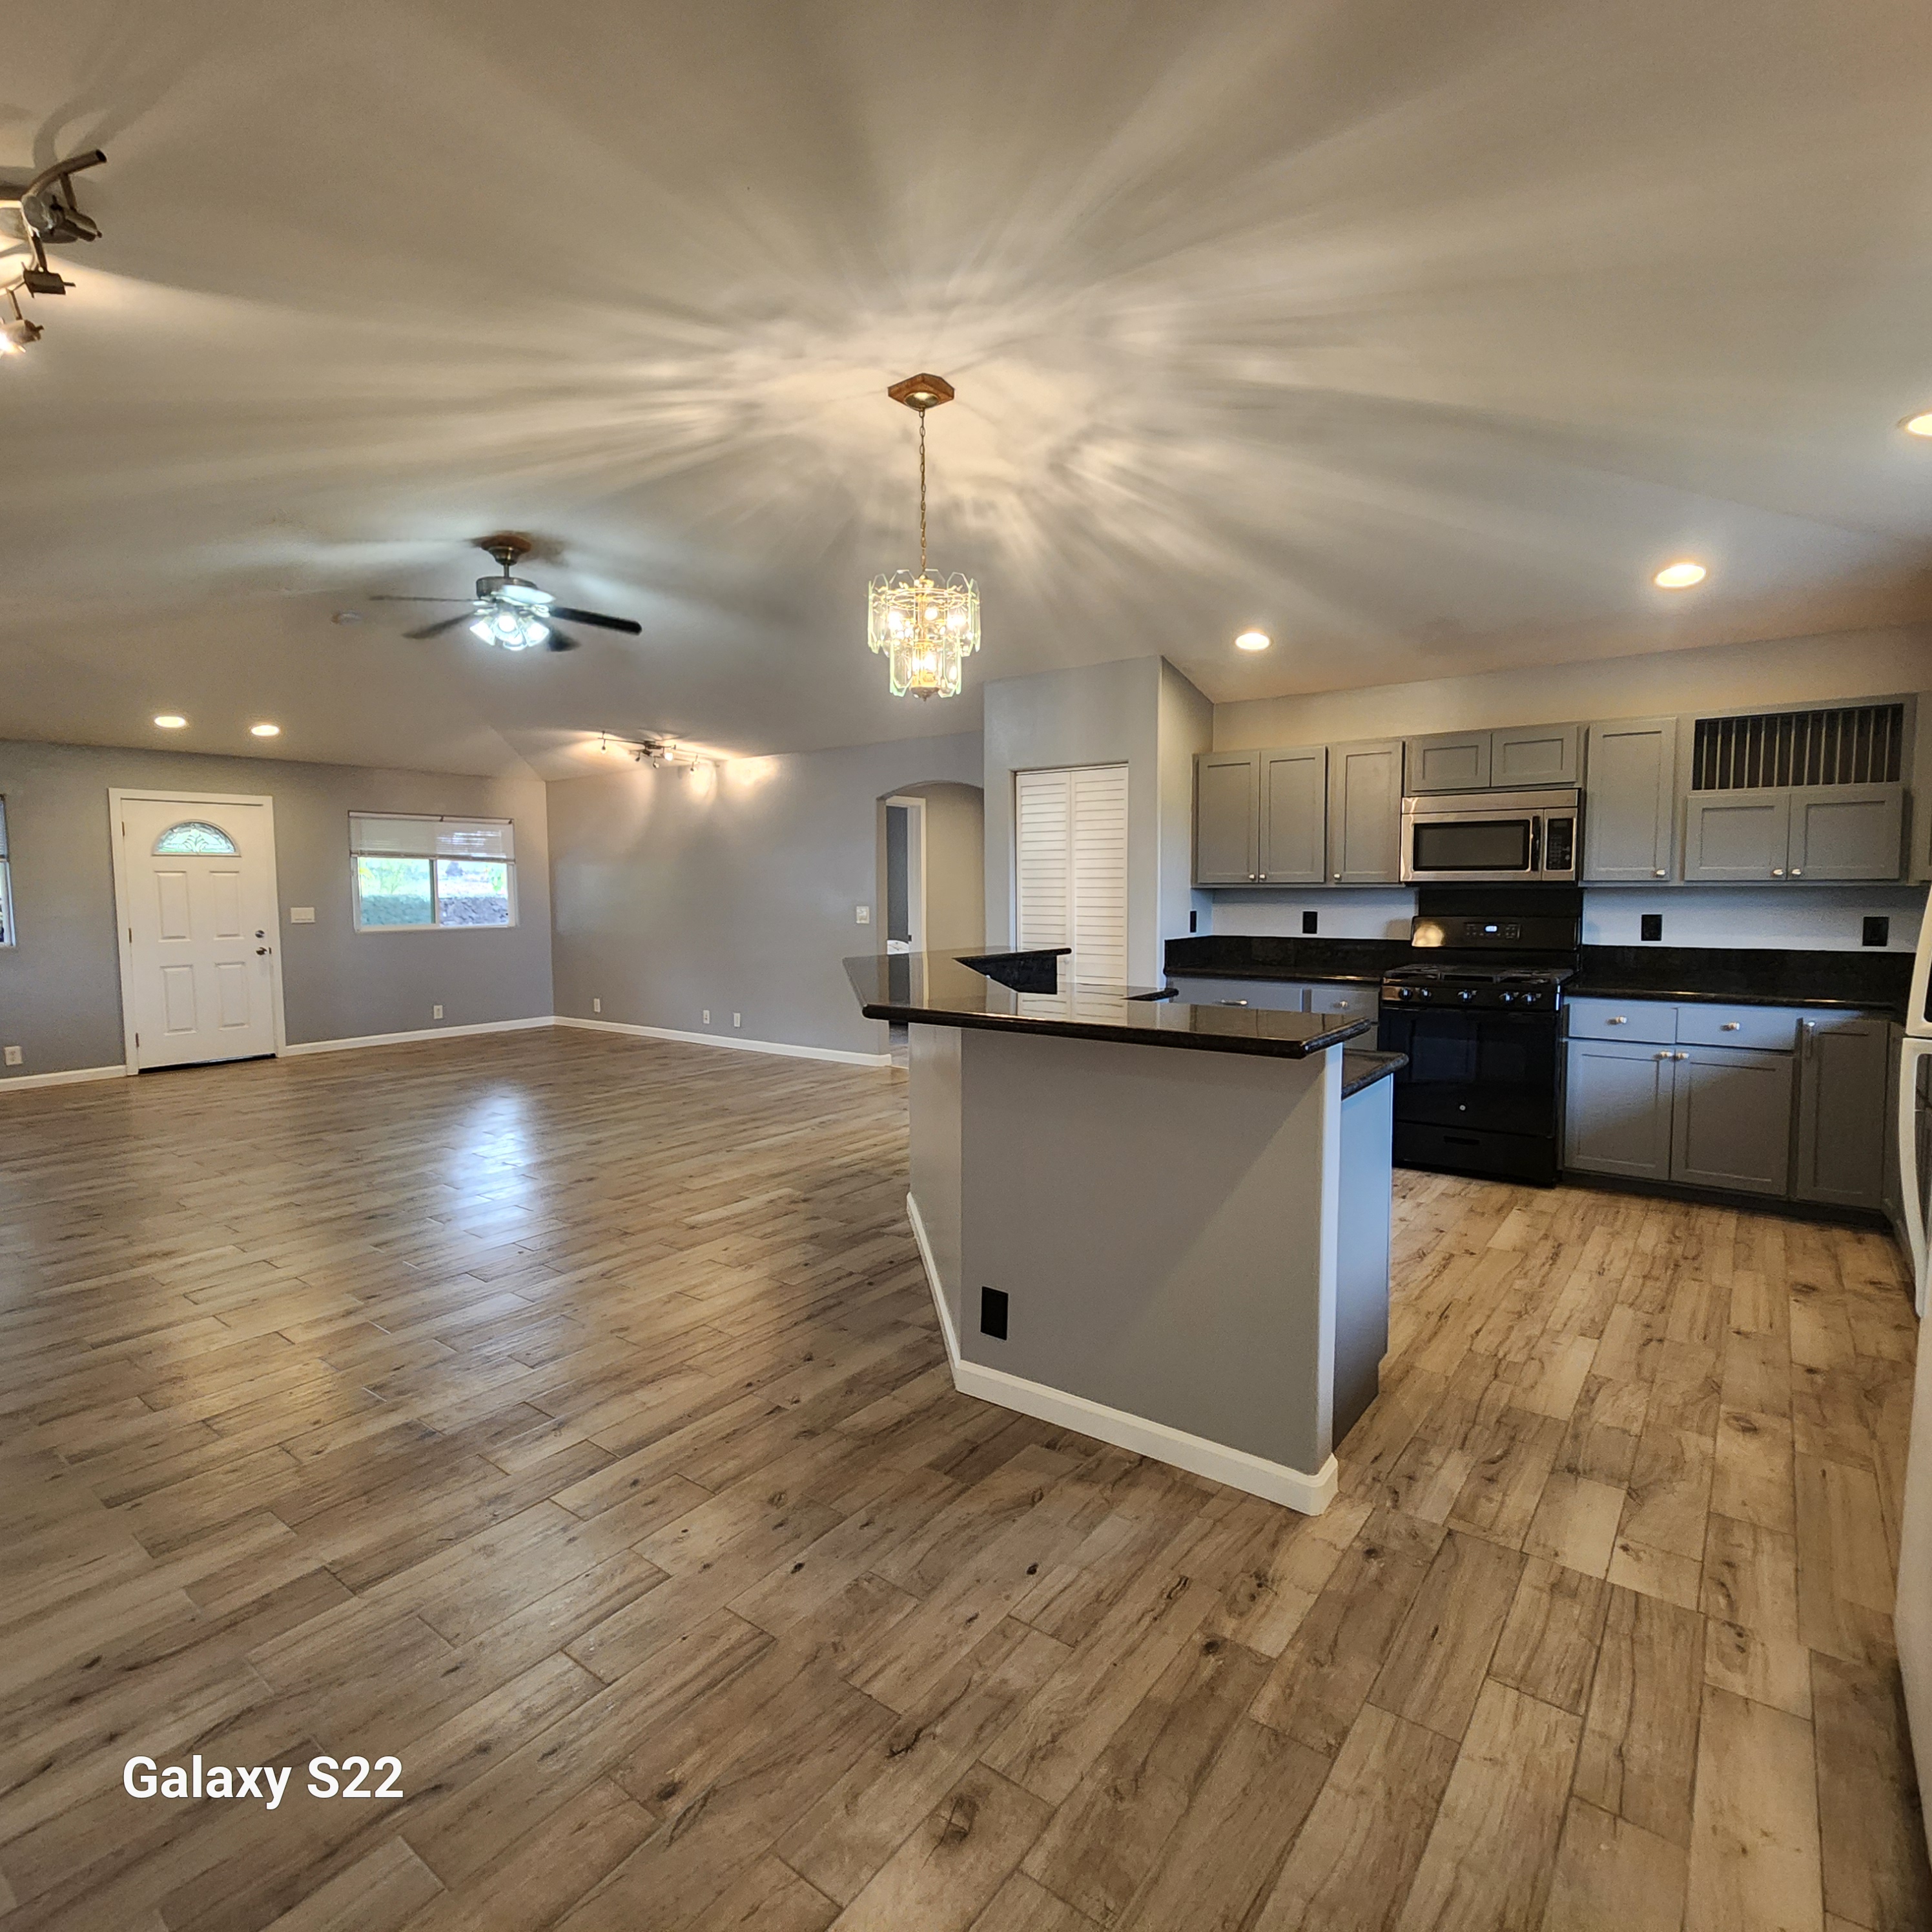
(1619, 1021)
(1778, 871)
(1665, 1055)
(1729, 1026)
(1680, 1056)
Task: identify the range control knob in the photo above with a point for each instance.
(1467, 994)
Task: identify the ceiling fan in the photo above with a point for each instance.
(509, 611)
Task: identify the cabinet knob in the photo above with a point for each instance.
(1338, 875)
(1778, 871)
(1666, 1055)
(1797, 872)
(1618, 1021)
(1729, 1026)
(1680, 1056)
(1658, 874)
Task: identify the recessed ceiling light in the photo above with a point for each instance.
(1252, 640)
(265, 730)
(1918, 425)
(1679, 576)
(168, 722)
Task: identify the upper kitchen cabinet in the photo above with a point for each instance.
(1227, 799)
(1447, 761)
(1503, 760)
(1812, 796)
(1629, 812)
(1293, 816)
(1365, 813)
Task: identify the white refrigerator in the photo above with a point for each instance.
(1913, 1614)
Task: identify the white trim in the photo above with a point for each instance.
(417, 1034)
(117, 840)
(1239, 1469)
(12, 1081)
(842, 1056)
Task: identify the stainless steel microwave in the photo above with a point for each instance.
(1482, 837)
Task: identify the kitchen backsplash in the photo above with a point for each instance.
(1809, 918)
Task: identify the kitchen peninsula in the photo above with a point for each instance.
(1165, 1226)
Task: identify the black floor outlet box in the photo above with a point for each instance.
(993, 1312)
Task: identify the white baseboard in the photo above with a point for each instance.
(14, 1080)
(417, 1035)
(1295, 1488)
(842, 1055)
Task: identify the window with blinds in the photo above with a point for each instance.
(412, 874)
(1857, 744)
(1070, 866)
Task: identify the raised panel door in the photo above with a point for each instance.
(1616, 1108)
(1365, 813)
(1227, 797)
(1447, 761)
(1731, 1119)
(1293, 816)
(1535, 754)
(1847, 832)
(1843, 1096)
(1736, 835)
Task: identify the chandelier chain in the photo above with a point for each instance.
(921, 492)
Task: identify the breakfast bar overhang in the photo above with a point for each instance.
(1165, 1226)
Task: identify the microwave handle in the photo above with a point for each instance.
(1536, 841)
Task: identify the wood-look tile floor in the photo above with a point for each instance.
(565, 1415)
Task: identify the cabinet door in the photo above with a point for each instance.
(1731, 1119)
(1616, 1109)
(1294, 816)
(1736, 835)
(1447, 761)
(1842, 1097)
(1847, 832)
(1629, 803)
(1535, 754)
(1365, 813)
(1892, 1188)
(1227, 796)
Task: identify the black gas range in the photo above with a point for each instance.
(1480, 1020)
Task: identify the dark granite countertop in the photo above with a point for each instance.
(1023, 992)
(1873, 981)
(1362, 1067)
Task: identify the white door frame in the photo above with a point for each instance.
(914, 807)
(123, 925)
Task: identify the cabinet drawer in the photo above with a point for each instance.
(1773, 1029)
(1358, 1002)
(1622, 1019)
(1280, 995)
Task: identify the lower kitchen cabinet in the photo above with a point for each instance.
(1845, 1103)
(1730, 1119)
(1804, 1120)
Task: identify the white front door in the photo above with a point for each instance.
(197, 880)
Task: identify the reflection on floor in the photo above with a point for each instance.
(564, 1414)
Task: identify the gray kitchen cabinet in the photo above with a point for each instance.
(1847, 832)
(1227, 796)
(1736, 835)
(1293, 816)
(1536, 754)
(1446, 761)
(1730, 1117)
(1844, 1105)
(1892, 1183)
(1629, 812)
(1616, 1108)
(1207, 990)
(1365, 813)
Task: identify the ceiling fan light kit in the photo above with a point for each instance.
(46, 212)
(925, 627)
(511, 612)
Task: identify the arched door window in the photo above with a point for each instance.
(193, 836)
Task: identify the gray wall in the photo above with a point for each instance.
(731, 888)
(60, 986)
(1186, 726)
(955, 866)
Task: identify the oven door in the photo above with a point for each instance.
(1482, 1072)
(1451, 847)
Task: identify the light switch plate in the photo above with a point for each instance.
(13, 1056)
(435, 1012)
(865, 915)
(301, 915)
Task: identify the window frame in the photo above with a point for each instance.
(433, 860)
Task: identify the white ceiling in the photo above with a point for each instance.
(1418, 334)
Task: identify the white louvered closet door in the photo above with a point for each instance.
(1070, 832)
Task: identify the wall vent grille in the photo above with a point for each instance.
(1855, 745)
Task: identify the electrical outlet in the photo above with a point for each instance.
(865, 914)
(1876, 930)
(1650, 925)
(435, 1012)
(707, 1016)
(13, 1056)
(596, 1006)
(993, 1312)
(737, 1019)
(1309, 920)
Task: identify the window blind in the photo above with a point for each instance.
(1070, 849)
(372, 836)
(3, 828)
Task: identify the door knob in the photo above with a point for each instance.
(261, 932)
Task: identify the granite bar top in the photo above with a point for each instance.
(1032, 992)
(1873, 981)
(1241, 956)
(1362, 1067)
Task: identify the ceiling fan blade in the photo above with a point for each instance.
(598, 618)
(560, 641)
(437, 629)
(383, 597)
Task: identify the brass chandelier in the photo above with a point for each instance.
(925, 627)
